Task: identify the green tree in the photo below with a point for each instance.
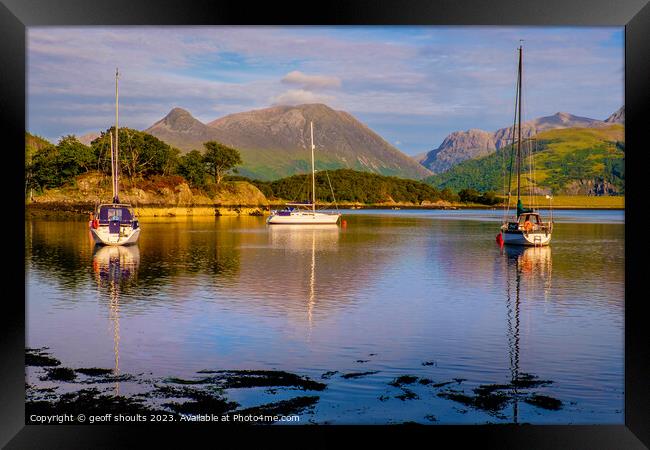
(74, 157)
(468, 195)
(489, 198)
(192, 168)
(449, 195)
(140, 154)
(44, 168)
(219, 159)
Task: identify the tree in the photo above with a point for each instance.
(140, 153)
(74, 157)
(468, 195)
(192, 168)
(449, 195)
(44, 168)
(219, 159)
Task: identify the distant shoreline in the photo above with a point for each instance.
(67, 210)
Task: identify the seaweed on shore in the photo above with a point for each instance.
(329, 374)
(86, 401)
(491, 402)
(202, 403)
(236, 379)
(494, 397)
(404, 379)
(544, 401)
(59, 374)
(526, 380)
(94, 371)
(407, 394)
(202, 396)
(486, 389)
(111, 378)
(37, 357)
(175, 380)
(281, 408)
(358, 374)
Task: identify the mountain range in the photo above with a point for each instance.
(564, 161)
(274, 142)
(460, 146)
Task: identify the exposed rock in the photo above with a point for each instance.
(239, 193)
(184, 194)
(463, 145)
(503, 136)
(459, 146)
(618, 116)
(166, 192)
(590, 187)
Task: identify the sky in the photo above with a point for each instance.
(411, 85)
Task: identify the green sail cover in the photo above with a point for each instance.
(520, 208)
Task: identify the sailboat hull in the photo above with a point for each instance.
(523, 238)
(303, 218)
(127, 236)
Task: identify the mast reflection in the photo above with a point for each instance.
(533, 264)
(115, 269)
(305, 240)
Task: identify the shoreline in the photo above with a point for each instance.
(67, 210)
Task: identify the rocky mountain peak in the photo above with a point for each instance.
(178, 116)
(274, 141)
(618, 116)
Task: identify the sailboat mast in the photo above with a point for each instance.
(115, 182)
(519, 129)
(313, 176)
(110, 134)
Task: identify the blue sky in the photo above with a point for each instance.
(412, 85)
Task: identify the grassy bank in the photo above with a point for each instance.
(577, 202)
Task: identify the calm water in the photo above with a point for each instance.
(422, 293)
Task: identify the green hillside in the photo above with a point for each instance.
(35, 143)
(565, 161)
(352, 186)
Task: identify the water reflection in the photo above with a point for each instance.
(305, 240)
(533, 264)
(235, 293)
(115, 269)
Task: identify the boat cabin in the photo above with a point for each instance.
(528, 221)
(116, 215)
(531, 217)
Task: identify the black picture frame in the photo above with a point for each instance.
(634, 15)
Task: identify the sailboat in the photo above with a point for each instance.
(304, 213)
(115, 223)
(527, 227)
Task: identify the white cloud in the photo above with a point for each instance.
(311, 81)
(427, 82)
(300, 96)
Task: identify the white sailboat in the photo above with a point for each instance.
(304, 213)
(527, 227)
(115, 223)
